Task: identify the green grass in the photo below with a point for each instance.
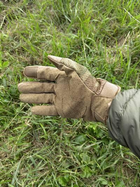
(36, 151)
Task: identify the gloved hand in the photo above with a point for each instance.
(69, 91)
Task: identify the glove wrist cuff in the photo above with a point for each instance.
(109, 90)
(102, 102)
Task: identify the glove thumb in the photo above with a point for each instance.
(68, 65)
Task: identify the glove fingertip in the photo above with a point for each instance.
(34, 110)
(57, 61)
(44, 110)
(54, 59)
(30, 71)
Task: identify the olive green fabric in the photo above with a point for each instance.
(124, 120)
(69, 91)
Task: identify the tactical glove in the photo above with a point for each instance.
(69, 91)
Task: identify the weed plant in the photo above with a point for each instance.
(104, 36)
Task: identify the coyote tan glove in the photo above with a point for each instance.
(69, 91)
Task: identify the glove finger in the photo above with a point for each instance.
(49, 110)
(68, 65)
(57, 61)
(36, 87)
(37, 98)
(42, 72)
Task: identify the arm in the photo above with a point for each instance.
(70, 91)
(124, 120)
